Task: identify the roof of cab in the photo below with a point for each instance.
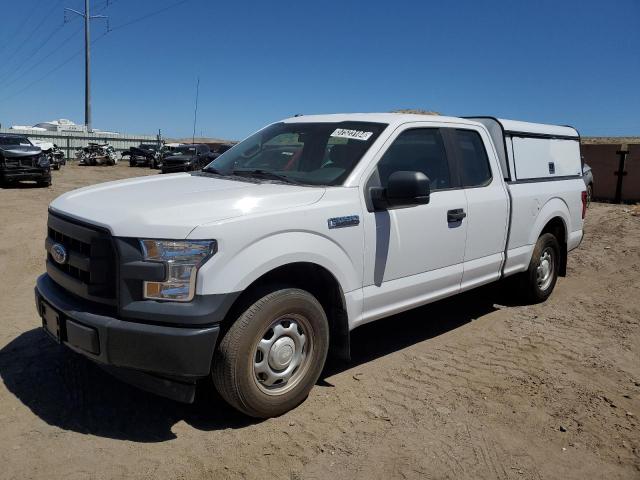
(399, 118)
(388, 118)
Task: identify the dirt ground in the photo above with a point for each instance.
(473, 387)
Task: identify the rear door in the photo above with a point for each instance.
(487, 204)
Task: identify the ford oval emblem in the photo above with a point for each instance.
(59, 253)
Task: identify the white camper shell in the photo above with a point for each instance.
(534, 151)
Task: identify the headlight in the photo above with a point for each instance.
(182, 258)
(43, 161)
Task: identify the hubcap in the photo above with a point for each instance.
(545, 269)
(282, 355)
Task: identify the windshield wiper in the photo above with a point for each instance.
(213, 170)
(266, 174)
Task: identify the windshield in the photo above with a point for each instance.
(183, 151)
(307, 153)
(15, 141)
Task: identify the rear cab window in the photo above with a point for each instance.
(473, 161)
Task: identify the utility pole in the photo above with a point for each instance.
(87, 60)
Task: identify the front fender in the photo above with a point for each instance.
(242, 268)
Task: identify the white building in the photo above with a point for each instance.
(60, 125)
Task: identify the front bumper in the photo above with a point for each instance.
(148, 355)
(13, 174)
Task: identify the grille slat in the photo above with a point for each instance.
(90, 259)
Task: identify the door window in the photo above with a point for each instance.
(473, 161)
(417, 150)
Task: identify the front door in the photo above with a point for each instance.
(414, 255)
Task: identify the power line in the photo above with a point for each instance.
(45, 18)
(52, 71)
(144, 17)
(69, 59)
(17, 30)
(10, 72)
(37, 62)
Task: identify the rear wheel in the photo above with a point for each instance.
(538, 281)
(272, 355)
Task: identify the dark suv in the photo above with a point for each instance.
(146, 155)
(186, 158)
(22, 160)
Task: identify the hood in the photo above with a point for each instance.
(17, 151)
(171, 206)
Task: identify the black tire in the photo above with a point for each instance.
(44, 183)
(132, 163)
(534, 287)
(238, 354)
(56, 166)
(589, 194)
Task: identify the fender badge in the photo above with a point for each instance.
(342, 222)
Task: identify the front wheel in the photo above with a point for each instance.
(541, 276)
(272, 355)
(589, 194)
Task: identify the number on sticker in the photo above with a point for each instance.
(352, 134)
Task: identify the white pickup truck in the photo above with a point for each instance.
(252, 270)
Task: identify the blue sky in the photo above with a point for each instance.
(563, 61)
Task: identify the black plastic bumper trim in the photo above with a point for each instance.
(179, 351)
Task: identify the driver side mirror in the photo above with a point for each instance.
(404, 189)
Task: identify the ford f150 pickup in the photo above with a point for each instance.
(253, 269)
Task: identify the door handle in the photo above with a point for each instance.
(456, 215)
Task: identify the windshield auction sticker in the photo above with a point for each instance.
(353, 134)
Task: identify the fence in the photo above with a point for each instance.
(69, 141)
(616, 171)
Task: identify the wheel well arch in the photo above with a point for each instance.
(557, 228)
(315, 279)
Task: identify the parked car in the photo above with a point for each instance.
(166, 151)
(145, 155)
(219, 148)
(20, 160)
(53, 152)
(97, 154)
(587, 176)
(186, 158)
(251, 270)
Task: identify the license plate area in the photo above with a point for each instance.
(51, 321)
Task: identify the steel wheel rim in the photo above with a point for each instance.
(545, 269)
(282, 355)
